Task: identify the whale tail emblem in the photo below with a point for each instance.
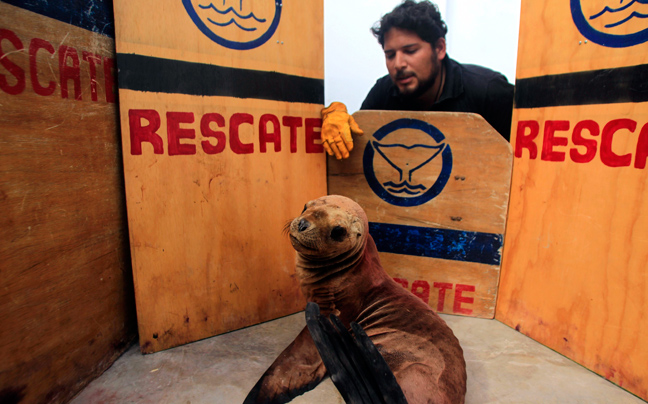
(406, 160)
(235, 17)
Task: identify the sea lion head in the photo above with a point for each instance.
(330, 230)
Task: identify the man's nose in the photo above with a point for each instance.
(399, 61)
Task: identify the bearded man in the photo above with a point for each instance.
(422, 78)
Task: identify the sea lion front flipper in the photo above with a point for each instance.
(355, 365)
(296, 370)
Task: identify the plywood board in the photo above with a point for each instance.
(221, 126)
(66, 294)
(435, 187)
(579, 28)
(576, 248)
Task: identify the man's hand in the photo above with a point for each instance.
(337, 127)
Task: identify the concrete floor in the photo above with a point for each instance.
(503, 366)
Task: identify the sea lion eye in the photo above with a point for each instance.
(338, 233)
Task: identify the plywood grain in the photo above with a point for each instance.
(66, 294)
(567, 49)
(472, 204)
(293, 49)
(576, 247)
(576, 255)
(213, 176)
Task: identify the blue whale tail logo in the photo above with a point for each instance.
(622, 14)
(235, 24)
(415, 157)
(231, 16)
(617, 24)
(421, 170)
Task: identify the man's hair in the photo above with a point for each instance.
(422, 18)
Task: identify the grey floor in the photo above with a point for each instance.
(503, 366)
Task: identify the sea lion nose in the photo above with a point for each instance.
(303, 225)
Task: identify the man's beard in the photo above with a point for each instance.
(420, 90)
(423, 86)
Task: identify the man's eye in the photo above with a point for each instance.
(389, 55)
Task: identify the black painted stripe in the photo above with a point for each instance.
(607, 86)
(93, 15)
(145, 73)
(457, 245)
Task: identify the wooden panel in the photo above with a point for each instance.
(221, 148)
(576, 250)
(439, 221)
(574, 43)
(66, 294)
(295, 48)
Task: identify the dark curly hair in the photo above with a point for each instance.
(423, 18)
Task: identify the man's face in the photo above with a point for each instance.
(413, 64)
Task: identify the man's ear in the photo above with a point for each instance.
(440, 48)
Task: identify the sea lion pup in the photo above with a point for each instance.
(339, 269)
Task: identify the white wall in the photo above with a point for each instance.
(481, 32)
(484, 32)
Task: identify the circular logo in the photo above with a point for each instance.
(407, 174)
(236, 24)
(612, 23)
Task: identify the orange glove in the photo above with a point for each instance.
(337, 127)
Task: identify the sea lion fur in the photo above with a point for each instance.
(339, 269)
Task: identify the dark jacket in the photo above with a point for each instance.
(468, 88)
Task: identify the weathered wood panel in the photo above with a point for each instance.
(576, 249)
(435, 188)
(221, 126)
(66, 297)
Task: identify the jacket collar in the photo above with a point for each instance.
(453, 87)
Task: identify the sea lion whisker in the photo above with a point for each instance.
(286, 229)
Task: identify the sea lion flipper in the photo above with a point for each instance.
(336, 347)
(385, 381)
(355, 365)
(297, 370)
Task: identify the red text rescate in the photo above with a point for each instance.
(218, 132)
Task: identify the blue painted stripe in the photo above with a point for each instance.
(94, 15)
(482, 248)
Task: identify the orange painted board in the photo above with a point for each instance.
(435, 188)
(221, 141)
(575, 41)
(293, 46)
(66, 300)
(576, 247)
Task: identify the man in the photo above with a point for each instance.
(422, 78)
